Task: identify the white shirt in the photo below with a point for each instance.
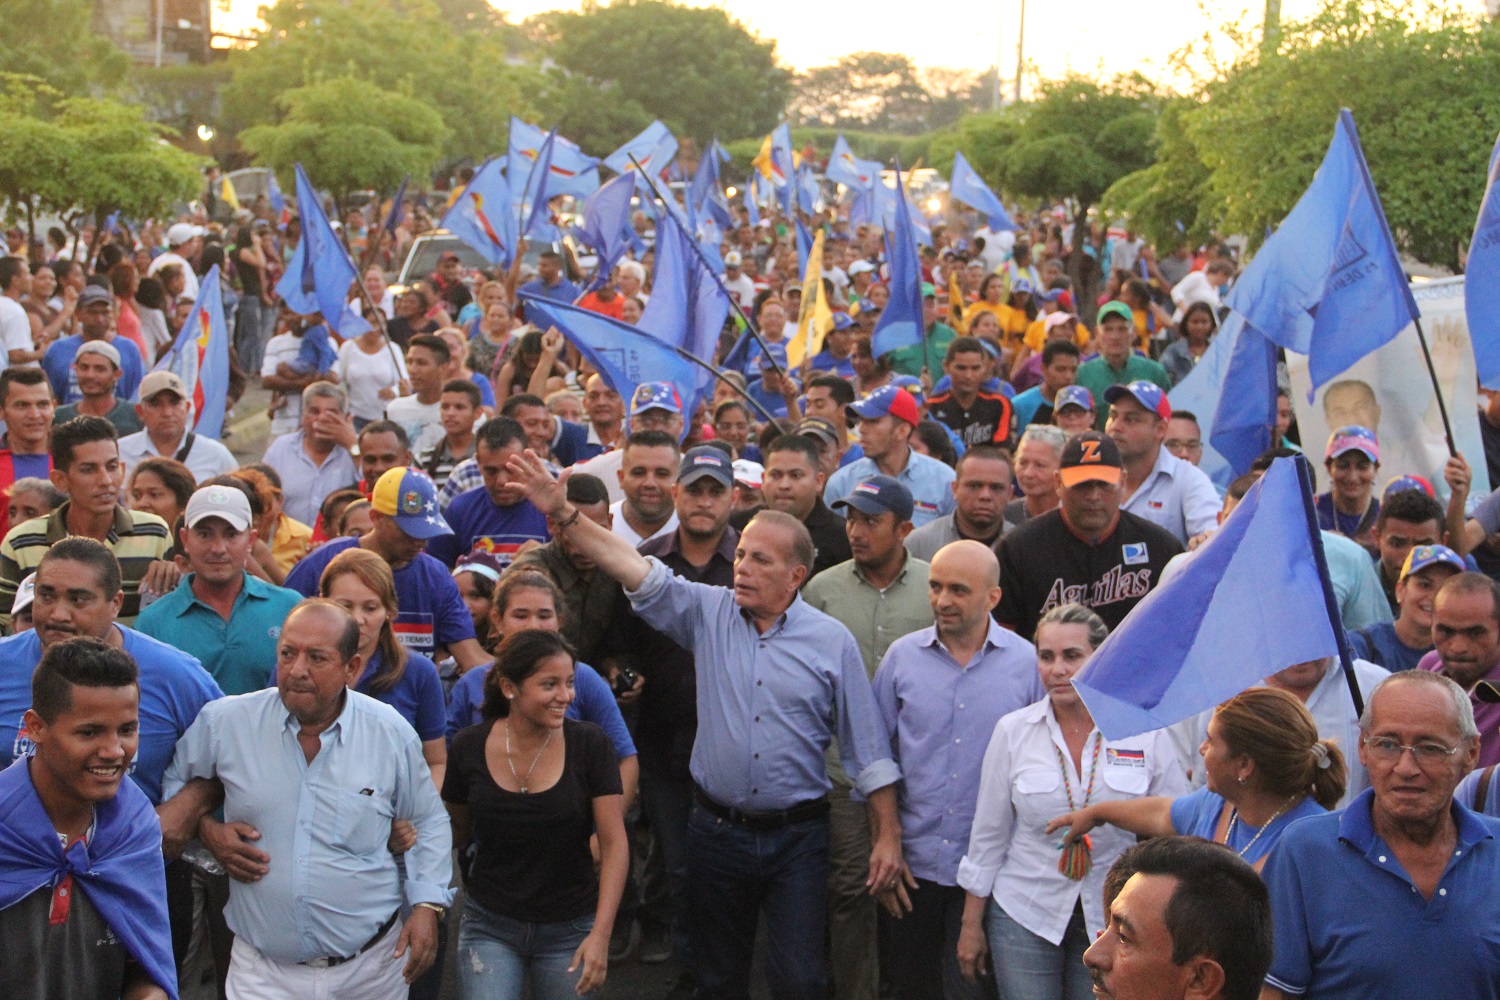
(625, 531)
(283, 349)
(364, 375)
(1329, 705)
(15, 330)
(421, 421)
(1194, 288)
(743, 289)
(607, 468)
(207, 459)
(1021, 789)
(191, 288)
(1177, 496)
(154, 329)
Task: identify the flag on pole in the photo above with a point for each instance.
(815, 318)
(274, 195)
(320, 274)
(229, 194)
(571, 172)
(1245, 421)
(846, 169)
(200, 357)
(1328, 283)
(398, 207)
(1251, 601)
(534, 196)
(688, 303)
(706, 194)
(481, 215)
(1482, 281)
(655, 148)
(886, 198)
(804, 246)
(808, 193)
(900, 324)
(752, 210)
(968, 187)
(606, 222)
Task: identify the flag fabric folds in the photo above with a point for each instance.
(969, 188)
(847, 169)
(886, 198)
(1251, 601)
(688, 303)
(705, 193)
(804, 247)
(532, 200)
(481, 215)
(200, 357)
(655, 148)
(1328, 283)
(606, 222)
(808, 192)
(398, 208)
(1482, 281)
(1245, 420)
(1203, 388)
(320, 273)
(752, 210)
(571, 172)
(900, 324)
(815, 318)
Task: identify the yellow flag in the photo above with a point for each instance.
(815, 319)
(762, 161)
(956, 303)
(231, 198)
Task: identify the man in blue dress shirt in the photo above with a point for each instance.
(887, 418)
(313, 776)
(776, 680)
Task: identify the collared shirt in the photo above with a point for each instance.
(771, 700)
(876, 617)
(941, 715)
(1486, 716)
(1178, 496)
(324, 823)
(1351, 925)
(1021, 788)
(305, 483)
(622, 527)
(1097, 374)
(464, 477)
(291, 542)
(206, 459)
(930, 482)
(240, 652)
(136, 538)
(592, 600)
(925, 542)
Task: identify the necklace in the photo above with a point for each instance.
(1234, 819)
(523, 782)
(1077, 858)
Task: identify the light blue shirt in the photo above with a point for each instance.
(930, 482)
(769, 703)
(1361, 600)
(1177, 496)
(304, 484)
(941, 714)
(331, 881)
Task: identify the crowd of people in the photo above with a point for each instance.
(616, 678)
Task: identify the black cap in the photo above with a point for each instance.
(1090, 457)
(878, 494)
(706, 460)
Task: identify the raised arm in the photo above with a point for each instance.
(613, 554)
(1150, 816)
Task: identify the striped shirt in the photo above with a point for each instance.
(136, 538)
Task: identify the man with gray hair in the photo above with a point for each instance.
(315, 460)
(1038, 457)
(1403, 864)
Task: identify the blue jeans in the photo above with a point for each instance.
(1029, 967)
(499, 957)
(735, 872)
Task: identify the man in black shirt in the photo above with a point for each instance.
(793, 484)
(1088, 551)
(975, 415)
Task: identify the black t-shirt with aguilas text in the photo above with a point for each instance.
(1044, 564)
(76, 958)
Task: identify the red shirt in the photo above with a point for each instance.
(614, 308)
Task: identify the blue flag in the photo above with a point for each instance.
(533, 197)
(655, 148)
(623, 355)
(1328, 283)
(847, 169)
(1203, 388)
(481, 216)
(900, 324)
(200, 356)
(706, 193)
(274, 195)
(1482, 282)
(606, 222)
(1251, 601)
(571, 172)
(688, 302)
(886, 199)
(752, 210)
(320, 273)
(862, 209)
(969, 188)
(1245, 420)
(804, 249)
(808, 192)
(786, 190)
(398, 208)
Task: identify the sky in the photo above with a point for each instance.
(1093, 37)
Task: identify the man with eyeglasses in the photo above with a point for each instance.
(1185, 437)
(1466, 632)
(1404, 873)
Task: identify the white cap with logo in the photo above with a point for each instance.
(223, 502)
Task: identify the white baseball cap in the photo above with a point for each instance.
(224, 502)
(180, 232)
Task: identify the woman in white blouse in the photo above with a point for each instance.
(1042, 905)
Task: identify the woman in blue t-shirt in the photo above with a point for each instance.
(1266, 768)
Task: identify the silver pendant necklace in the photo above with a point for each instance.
(523, 783)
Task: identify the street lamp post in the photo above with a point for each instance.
(1021, 48)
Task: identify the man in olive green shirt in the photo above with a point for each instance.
(910, 360)
(1117, 363)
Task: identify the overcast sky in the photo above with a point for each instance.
(1095, 37)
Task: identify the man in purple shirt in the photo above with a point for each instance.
(1466, 632)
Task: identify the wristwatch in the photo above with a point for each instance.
(441, 911)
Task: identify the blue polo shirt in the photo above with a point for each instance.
(593, 701)
(1197, 815)
(174, 686)
(433, 612)
(239, 654)
(418, 695)
(1350, 925)
(479, 524)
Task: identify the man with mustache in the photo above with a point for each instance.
(1466, 632)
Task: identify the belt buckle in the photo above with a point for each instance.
(318, 963)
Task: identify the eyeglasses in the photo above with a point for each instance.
(1426, 753)
(1193, 445)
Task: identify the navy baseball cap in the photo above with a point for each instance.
(842, 321)
(1073, 395)
(706, 460)
(1150, 395)
(655, 396)
(877, 495)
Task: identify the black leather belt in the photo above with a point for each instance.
(330, 962)
(761, 822)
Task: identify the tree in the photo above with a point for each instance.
(35, 152)
(51, 40)
(983, 139)
(1169, 201)
(349, 136)
(868, 90)
(701, 73)
(600, 118)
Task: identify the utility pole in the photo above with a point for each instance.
(1270, 32)
(1021, 48)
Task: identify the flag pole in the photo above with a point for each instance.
(1437, 390)
(720, 376)
(1346, 656)
(733, 302)
(375, 309)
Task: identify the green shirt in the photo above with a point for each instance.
(934, 349)
(1098, 375)
(123, 416)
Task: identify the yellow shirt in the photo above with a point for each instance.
(292, 541)
(1036, 334)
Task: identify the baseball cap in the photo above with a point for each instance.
(860, 267)
(25, 594)
(842, 321)
(1403, 483)
(158, 382)
(928, 291)
(1021, 285)
(92, 294)
(706, 460)
(224, 502)
(1115, 308)
(819, 428)
(1056, 320)
(1048, 294)
(889, 400)
(748, 472)
(774, 356)
(1353, 438)
(1089, 457)
(655, 396)
(1422, 556)
(1148, 394)
(733, 259)
(877, 495)
(180, 232)
(911, 384)
(1073, 395)
(483, 563)
(410, 497)
(103, 348)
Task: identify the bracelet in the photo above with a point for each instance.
(565, 525)
(441, 911)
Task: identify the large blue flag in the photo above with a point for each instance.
(1328, 283)
(1245, 421)
(571, 172)
(900, 324)
(1482, 281)
(200, 356)
(969, 188)
(886, 199)
(1251, 601)
(1203, 388)
(654, 148)
(846, 169)
(688, 303)
(482, 215)
(752, 210)
(623, 355)
(532, 201)
(606, 222)
(320, 274)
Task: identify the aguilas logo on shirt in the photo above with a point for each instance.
(1116, 585)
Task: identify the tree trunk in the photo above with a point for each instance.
(31, 251)
(1084, 294)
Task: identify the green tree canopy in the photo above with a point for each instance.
(883, 92)
(51, 40)
(1169, 201)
